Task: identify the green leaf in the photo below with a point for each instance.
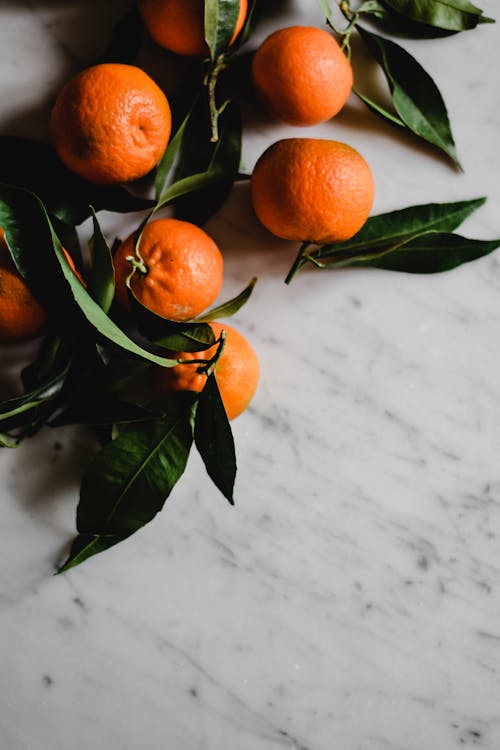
(325, 8)
(24, 219)
(7, 442)
(104, 372)
(248, 26)
(377, 109)
(102, 279)
(191, 184)
(26, 227)
(220, 22)
(68, 237)
(389, 229)
(167, 161)
(16, 411)
(185, 337)
(415, 96)
(199, 154)
(53, 357)
(373, 8)
(129, 480)
(35, 166)
(87, 545)
(232, 306)
(214, 439)
(431, 253)
(103, 411)
(176, 336)
(125, 39)
(451, 15)
(396, 24)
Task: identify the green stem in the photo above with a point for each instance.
(206, 365)
(297, 262)
(311, 259)
(211, 83)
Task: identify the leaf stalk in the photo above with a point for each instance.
(298, 262)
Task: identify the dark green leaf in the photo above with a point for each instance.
(104, 372)
(386, 230)
(125, 39)
(232, 306)
(28, 234)
(87, 545)
(14, 410)
(431, 253)
(395, 24)
(199, 154)
(35, 166)
(415, 96)
(176, 336)
(128, 481)
(220, 22)
(68, 237)
(191, 184)
(451, 15)
(214, 439)
(167, 161)
(53, 357)
(26, 225)
(373, 8)
(184, 336)
(248, 26)
(102, 278)
(101, 411)
(377, 109)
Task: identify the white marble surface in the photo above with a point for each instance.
(351, 600)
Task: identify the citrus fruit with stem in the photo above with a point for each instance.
(178, 269)
(111, 123)
(179, 25)
(236, 371)
(301, 75)
(312, 190)
(21, 315)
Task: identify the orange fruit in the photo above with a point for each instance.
(314, 190)
(301, 75)
(111, 123)
(179, 25)
(21, 315)
(237, 372)
(182, 272)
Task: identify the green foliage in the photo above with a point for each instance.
(417, 239)
(89, 369)
(415, 96)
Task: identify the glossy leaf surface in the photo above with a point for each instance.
(415, 96)
(214, 439)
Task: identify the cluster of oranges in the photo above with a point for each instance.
(111, 124)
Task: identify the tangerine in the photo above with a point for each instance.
(179, 25)
(310, 189)
(111, 123)
(21, 315)
(179, 273)
(237, 372)
(301, 75)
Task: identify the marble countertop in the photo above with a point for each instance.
(351, 599)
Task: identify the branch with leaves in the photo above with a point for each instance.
(418, 104)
